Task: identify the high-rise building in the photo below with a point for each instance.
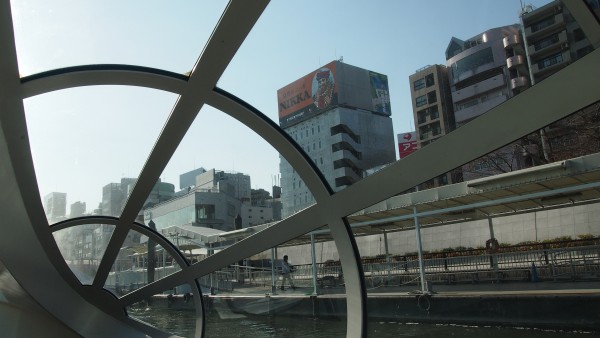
(114, 195)
(55, 206)
(432, 110)
(554, 39)
(485, 71)
(340, 115)
(432, 103)
(112, 199)
(77, 209)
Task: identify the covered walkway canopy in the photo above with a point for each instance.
(556, 185)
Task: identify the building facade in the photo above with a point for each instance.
(554, 40)
(200, 207)
(340, 115)
(189, 179)
(433, 112)
(432, 103)
(236, 184)
(77, 209)
(55, 206)
(114, 195)
(485, 71)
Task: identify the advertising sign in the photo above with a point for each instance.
(407, 144)
(380, 93)
(308, 96)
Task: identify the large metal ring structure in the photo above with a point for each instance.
(90, 310)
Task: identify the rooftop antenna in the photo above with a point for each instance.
(341, 59)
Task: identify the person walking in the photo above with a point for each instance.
(286, 273)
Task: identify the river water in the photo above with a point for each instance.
(182, 323)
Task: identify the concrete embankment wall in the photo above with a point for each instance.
(537, 226)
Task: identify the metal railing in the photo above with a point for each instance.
(544, 263)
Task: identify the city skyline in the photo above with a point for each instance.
(128, 120)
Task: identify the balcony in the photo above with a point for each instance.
(511, 41)
(465, 115)
(516, 62)
(519, 83)
(533, 32)
(547, 46)
(478, 88)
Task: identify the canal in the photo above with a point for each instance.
(182, 323)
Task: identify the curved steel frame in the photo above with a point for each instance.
(541, 105)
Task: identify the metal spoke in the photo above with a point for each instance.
(232, 29)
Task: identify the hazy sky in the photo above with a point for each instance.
(85, 138)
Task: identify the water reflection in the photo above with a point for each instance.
(182, 323)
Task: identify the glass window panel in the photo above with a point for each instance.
(82, 247)
(62, 34)
(279, 288)
(140, 261)
(90, 144)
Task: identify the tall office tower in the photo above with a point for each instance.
(114, 195)
(340, 115)
(554, 40)
(485, 71)
(55, 205)
(432, 110)
(77, 209)
(112, 199)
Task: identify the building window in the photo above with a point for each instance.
(419, 84)
(551, 60)
(312, 130)
(436, 129)
(542, 24)
(467, 104)
(581, 52)
(472, 62)
(318, 129)
(431, 97)
(421, 100)
(205, 211)
(578, 34)
(434, 113)
(429, 80)
(546, 42)
(422, 116)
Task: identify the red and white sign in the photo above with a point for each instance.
(407, 144)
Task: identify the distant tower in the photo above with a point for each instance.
(55, 206)
(77, 209)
